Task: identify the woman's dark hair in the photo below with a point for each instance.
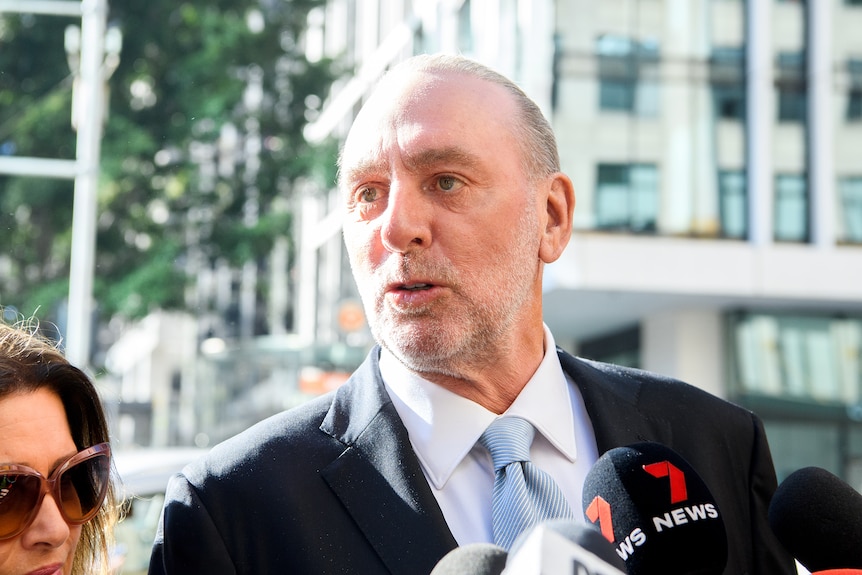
(30, 362)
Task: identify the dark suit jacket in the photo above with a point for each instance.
(333, 486)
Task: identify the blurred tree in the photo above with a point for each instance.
(202, 148)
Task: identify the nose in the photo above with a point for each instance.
(407, 221)
(48, 527)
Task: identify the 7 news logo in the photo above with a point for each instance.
(599, 511)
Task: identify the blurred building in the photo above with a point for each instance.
(716, 151)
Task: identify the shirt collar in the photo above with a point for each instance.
(444, 426)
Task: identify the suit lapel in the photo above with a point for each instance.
(378, 477)
(379, 480)
(612, 402)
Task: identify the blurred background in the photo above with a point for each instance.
(167, 202)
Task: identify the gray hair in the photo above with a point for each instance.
(531, 129)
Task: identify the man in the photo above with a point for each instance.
(453, 204)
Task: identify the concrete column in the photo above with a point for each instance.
(687, 345)
(821, 170)
(89, 113)
(759, 119)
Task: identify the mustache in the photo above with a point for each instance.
(407, 268)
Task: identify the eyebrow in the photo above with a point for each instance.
(436, 156)
(423, 160)
(54, 465)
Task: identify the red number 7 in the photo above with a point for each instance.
(678, 491)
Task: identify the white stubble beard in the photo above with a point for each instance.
(456, 339)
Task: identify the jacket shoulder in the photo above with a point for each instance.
(293, 435)
(639, 387)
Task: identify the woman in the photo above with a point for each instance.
(57, 507)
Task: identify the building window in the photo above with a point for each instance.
(854, 94)
(791, 86)
(850, 208)
(791, 208)
(733, 206)
(726, 73)
(802, 357)
(627, 197)
(802, 375)
(628, 75)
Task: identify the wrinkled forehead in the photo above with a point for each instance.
(415, 108)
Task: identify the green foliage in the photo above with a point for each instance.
(149, 285)
(183, 75)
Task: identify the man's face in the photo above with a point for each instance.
(441, 221)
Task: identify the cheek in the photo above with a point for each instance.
(7, 554)
(74, 538)
(361, 247)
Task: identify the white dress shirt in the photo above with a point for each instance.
(444, 428)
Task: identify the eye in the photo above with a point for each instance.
(367, 195)
(449, 183)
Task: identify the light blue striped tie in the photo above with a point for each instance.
(524, 495)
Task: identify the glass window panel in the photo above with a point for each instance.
(628, 73)
(647, 87)
(627, 197)
(854, 90)
(804, 357)
(791, 85)
(822, 375)
(850, 209)
(854, 104)
(793, 362)
(847, 335)
(612, 196)
(756, 339)
(733, 206)
(644, 201)
(726, 76)
(614, 95)
(791, 208)
(798, 444)
(612, 207)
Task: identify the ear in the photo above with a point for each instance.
(559, 206)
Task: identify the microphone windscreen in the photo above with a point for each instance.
(587, 538)
(562, 546)
(656, 511)
(818, 519)
(472, 559)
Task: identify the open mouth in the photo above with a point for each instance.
(416, 287)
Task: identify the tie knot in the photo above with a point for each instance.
(508, 439)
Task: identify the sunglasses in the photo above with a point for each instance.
(78, 486)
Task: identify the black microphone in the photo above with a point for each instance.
(818, 519)
(656, 511)
(562, 547)
(472, 559)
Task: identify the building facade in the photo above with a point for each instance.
(716, 152)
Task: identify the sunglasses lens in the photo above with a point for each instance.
(19, 495)
(83, 487)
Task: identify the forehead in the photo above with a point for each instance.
(35, 429)
(421, 115)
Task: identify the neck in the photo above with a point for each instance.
(495, 380)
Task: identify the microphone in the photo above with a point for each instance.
(818, 519)
(472, 559)
(562, 547)
(656, 511)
